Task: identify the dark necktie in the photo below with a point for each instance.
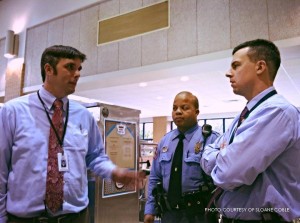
(243, 116)
(54, 183)
(175, 187)
(218, 191)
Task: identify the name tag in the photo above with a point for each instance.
(63, 164)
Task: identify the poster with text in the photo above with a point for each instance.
(120, 145)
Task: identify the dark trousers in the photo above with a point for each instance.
(180, 216)
(81, 217)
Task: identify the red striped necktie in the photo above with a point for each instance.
(54, 183)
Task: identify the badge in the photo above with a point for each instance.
(198, 147)
(164, 149)
(223, 145)
(63, 164)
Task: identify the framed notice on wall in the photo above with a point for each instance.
(121, 147)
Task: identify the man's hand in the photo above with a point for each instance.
(127, 177)
(148, 218)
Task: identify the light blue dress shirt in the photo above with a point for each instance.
(259, 171)
(162, 163)
(24, 139)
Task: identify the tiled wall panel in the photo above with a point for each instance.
(154, 47)
(284, 19)
(130, 53)
(55, 32)
(108, 58)
(29, 57)
(197, 27)
(130, 50)
(150, 2)
(88, 39)
(249, 20)
(213, 29)
(72, 30)
(130, 5)
(13, 84)
(37, 44)
(182, 35)
(109, 9)
(108, 54)
(3, 63)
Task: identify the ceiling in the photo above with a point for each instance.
(202, 75)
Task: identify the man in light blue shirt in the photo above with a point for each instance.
(24, 139)
(256, 162)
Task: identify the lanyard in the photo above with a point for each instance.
(60, 140)
(270, 94)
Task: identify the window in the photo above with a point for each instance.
(228, 122)
(146, 131)
(217, 124)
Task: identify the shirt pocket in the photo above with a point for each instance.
(76, 177)
(192, 164)
(78, 136)
(165, 161)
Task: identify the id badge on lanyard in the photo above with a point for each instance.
(62, 160)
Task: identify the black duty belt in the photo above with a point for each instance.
(190, 200)
(66, 218)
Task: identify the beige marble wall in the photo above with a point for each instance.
(55, 34)
(14, 79)
(284, 19)
(159, 128)
(88, 39)
(196, 27)
(214, 25)
(248, 20)
(35, 44)
(182, 34)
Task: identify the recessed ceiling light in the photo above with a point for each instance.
(184, 78)
(143, 84)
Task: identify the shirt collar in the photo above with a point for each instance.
(49, 99)
(256, 99)
(188, 134)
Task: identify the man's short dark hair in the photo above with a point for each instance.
(261, 49)
(53, 54)
(192, 97)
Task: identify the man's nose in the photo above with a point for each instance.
(178, 110)
(228, 73)
(77, 73)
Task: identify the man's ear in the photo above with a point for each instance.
(48, 68)
(261, 66)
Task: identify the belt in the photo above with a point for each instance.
(191, 199)
(228, 220)
(178, 207)
(66, 218)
